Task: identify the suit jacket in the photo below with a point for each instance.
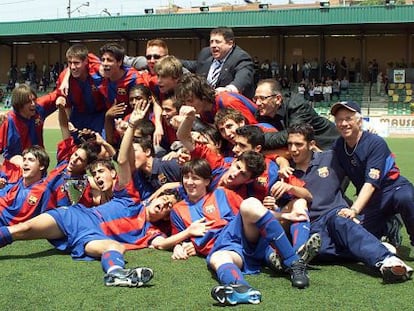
(296, 110)
(237, 69)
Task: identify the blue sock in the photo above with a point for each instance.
(229, 273)
(5, 236)
(300, 233)
(112, 259)
(271, 230)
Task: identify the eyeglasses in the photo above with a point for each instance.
(262, 98)
(155, 56)
(348, 120)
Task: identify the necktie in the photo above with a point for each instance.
(214, 72)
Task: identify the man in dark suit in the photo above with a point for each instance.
(226, 66)
(282, 112)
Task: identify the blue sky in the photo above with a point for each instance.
(22, 10)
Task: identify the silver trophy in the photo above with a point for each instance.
(74, 187)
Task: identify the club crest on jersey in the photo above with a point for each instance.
(94, 88)
(38, 121)
(32, 200)
(374, 173)
(162, 178)
(323, 172)
(210, 209)
(121, 91)
(262, 181)
(354, 162)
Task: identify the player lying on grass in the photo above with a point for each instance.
(105, 231)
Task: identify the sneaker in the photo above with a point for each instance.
(311, 248)
(135, 277)
(298, 274)
(390, 247)
(394, 270)
(233, 294)
(275, 262)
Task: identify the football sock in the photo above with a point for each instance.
(299, 232)
(5, 236)
(229, 273)
(270, 229)
(112, 260)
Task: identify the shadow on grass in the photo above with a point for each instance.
(46, 253)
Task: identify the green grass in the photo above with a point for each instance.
(34, 276)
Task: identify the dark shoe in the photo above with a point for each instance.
(298, 274)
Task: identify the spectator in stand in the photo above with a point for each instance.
(10, 86)
(352, 70)
(265, 69)
(306, 69)
(336, 89)
(327, 92)
(274, 67)
(379, 82)
(226, 66)
(314, 73)
(302, 89)
(343, 66)
(318, 92)
(344, 85)
(358, 70)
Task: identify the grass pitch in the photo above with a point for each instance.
(34, 276)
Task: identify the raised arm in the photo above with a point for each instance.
(126, 154)
(184, 130)
(63, 117)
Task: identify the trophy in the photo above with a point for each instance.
(74, 187)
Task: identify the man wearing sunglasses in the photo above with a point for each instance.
(156, 50)
(281, 112)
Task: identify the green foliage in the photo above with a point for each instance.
(379, 2)
(34, 276)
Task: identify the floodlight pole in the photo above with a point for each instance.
(69, 8)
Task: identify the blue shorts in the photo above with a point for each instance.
(232, 238)
(80, 226)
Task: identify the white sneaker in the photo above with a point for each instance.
(393, 270)
(390, 247)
